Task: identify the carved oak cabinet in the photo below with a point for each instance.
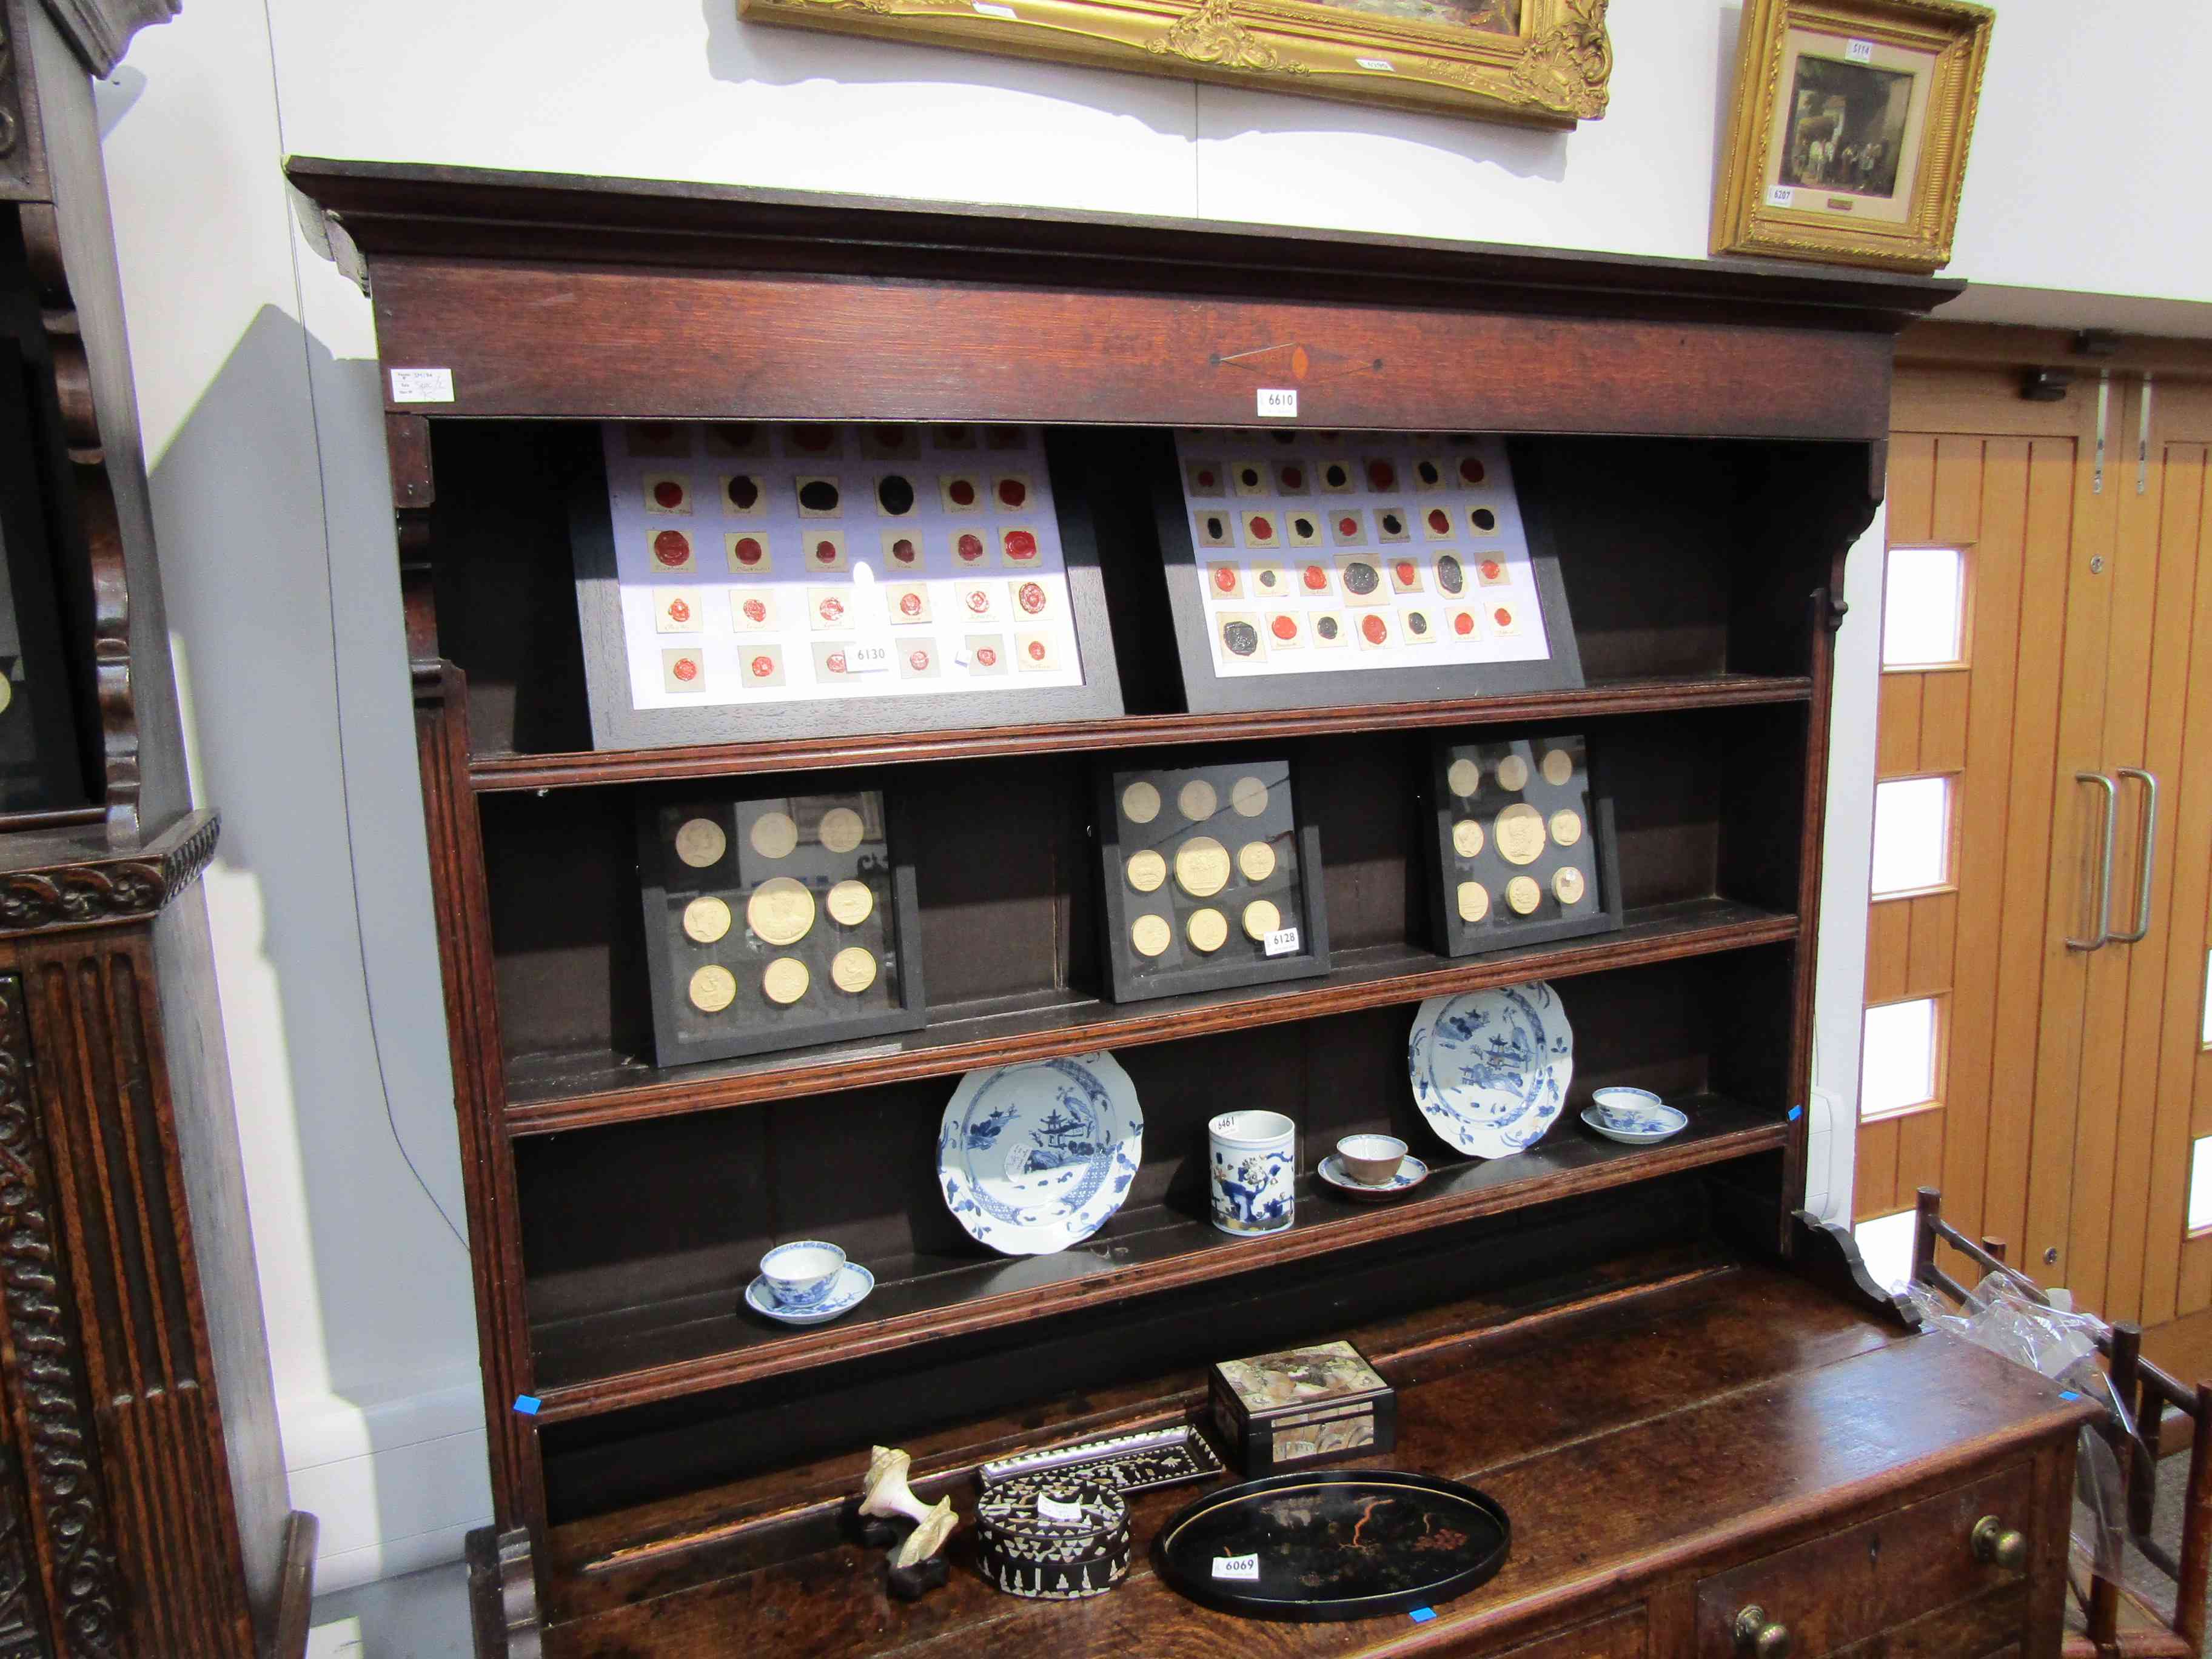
(1712, 1434)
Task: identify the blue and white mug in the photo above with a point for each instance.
(1254, 1171)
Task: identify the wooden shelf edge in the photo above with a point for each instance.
(1134, 1025)
(493, 774)
(840, 1343)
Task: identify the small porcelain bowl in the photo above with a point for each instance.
(1372, 1159)
(801, 1275)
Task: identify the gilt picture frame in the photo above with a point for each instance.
(1542, 63)
(1849, 129)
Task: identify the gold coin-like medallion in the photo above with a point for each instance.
(1559, 768)
(1201, 867)
(1566, 826)
(1466, 838)
(1520, 831)
(1473, 901)
(706, 920)
(700, 843)
(850, 903)
(853, 970)
(1249, 796)
(1257, 859)
(785, 981)
(780, 910)
(1523, 894)
(1150, 935)
(1567, 885)
(1261, 918)
(1140, 802)
(714, 987)
(1198, 800)
(842, 829)
(1465, 777)
(1146, 871)
(774, 835)
(1513, 774)
(1207, 930)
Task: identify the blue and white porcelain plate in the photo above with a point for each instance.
(1634, 1117)
(851, 1289)
(1034, 1159)
(1491, 1068)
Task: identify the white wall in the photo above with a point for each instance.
(255, 371)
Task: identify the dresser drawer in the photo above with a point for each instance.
(1621, 1636)
(1838, 1591)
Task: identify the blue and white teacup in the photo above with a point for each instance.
(1253, 1172)
(1632, 1111)
(801, 1276)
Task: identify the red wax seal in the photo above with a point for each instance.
(962, 492)
(970, 547)
(1463, 623)
(1380, 475)
(1285, 627)
(748, 550)
(744, 492)
(1224, 578)
(762, 667)
(1206, 477)
(978, 600)
(1294, 477)
(1491, 570)
(1470, 470)
(1404, 572)
(985, 656)
(917, 660)
(1316, 578)
(910, 604)
(1012, 492)
(1031, 596)
(1503, 616)
(685, 669)
(831, 609)
(1262, 529)
(1439, 520)
(902, 551)
(673, 548)
(668, 493)
(756, 612)
(834, 662)
(678, 611)
(1020, 545)
(1348, 525)
(814, 439)
(1374, 628)
(826, 551)
(1037, 650)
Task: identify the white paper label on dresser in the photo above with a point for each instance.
(1859, 51)
(1381, 65)
(874, 658)
(421, 386)
(1283, 942)
(1237, 1569)
(1279, 402)
(1780, 196)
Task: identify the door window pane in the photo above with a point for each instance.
(1899, 1067)
(2200, 1184)
(1922, 606)
(1911, 834)
(2208, 999)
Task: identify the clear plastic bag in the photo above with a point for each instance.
(2062, 1345)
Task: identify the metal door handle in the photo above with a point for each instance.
(2104, 912)
(2149, 854)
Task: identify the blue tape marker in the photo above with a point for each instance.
(526, 1404)
(2071, 1393)
(1422, 1615)
(1797, 1112)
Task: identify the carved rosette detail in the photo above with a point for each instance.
(1569, 66)
(31, 900)
(1212, 35)
(51, 1369)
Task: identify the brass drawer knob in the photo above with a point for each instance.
(1760, 1637)
(1999, 1545)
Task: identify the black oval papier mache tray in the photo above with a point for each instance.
(1347, 1544)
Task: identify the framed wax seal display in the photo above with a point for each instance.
(1302, 1406)
(1522, 849)
(1311, 569)
(741, 581)
(775, 922)
(1212, 875)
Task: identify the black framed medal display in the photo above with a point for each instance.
(1212, 875)
(775, 922)
(1322, 569)
(1522, 849)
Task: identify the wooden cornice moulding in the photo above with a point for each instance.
(98, 887)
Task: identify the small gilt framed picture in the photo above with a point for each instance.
(1847, 134)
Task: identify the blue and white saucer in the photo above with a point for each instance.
(851, 1289)
(1634, 1117)
(1411, 1172)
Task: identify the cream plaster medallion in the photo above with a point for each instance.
(1465, 777)
(774, 835)
(850, 903)
(701, 841)
(1520, 831)
(1249, 796)
(1261, 918)
(853, 970)
(1473, 901)
(785, 981)
(1523, 894)
(1257, 859)
(1513, 774)
(1198, 800)
(842, 829)
(1140, 802)
(781, 910)
(1150, 935)
(1566, 827)
(1201, 867)
(706, 920)
(1146, 871)
(714, 987)
(1558, 766)
(1207, 930)
(1466, 838)
(1567, 885)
